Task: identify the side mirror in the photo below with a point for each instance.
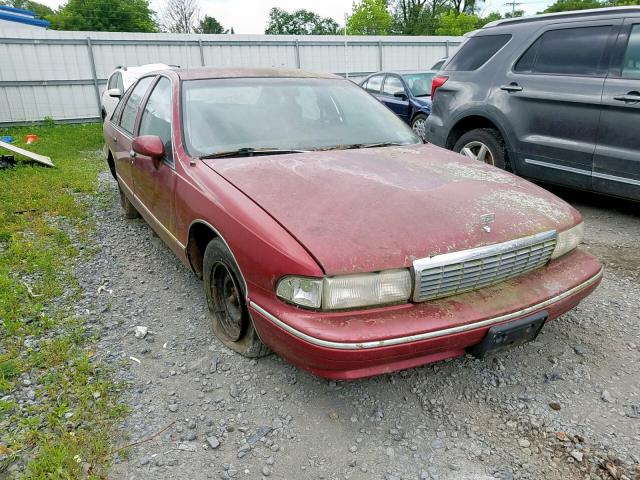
(149, 146)
(114, 92)
(400, 94)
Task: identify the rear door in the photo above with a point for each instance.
(616, 164)
(393, 85)
(123, 132)
(108, 101)
(552, 96)
(154, 180)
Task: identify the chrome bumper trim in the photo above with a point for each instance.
(427, 335)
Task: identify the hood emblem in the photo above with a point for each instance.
(486, 220)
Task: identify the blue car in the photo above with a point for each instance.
(407, 93)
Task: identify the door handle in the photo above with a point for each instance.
(512, 87)
(629, 97)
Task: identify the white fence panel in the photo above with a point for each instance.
(61, 74)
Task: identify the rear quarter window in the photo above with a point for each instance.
(568, 51)
(477, 51)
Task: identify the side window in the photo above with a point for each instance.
(392, 85)
(568, 51)
(156, 117)
(631, 63)
(477, 51)
(374, 84)
(113, 81)
(130, 109)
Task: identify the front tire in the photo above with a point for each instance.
(230, 319)
(485, 145)
(418, 125)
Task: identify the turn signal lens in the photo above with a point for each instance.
(302, 291)
(568, 240)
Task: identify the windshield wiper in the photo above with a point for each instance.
(249, 152)
(352, 146)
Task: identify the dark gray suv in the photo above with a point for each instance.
(555, 98)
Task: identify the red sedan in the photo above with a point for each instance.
(324, 229)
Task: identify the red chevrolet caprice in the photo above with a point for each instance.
(324, 229)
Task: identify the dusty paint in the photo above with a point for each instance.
(381, 208)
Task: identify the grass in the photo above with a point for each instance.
(44, 220)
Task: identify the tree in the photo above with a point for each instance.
(210, 25)
(514, 14)
(105, 16)
(39, 9)
(370, 17)
(299, 22)
(566, 5)
(492, 17)
(180, 16)
(418, 17)
(457, 24)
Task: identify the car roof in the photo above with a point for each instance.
(402, 72)
(578, 14)
(210, 73)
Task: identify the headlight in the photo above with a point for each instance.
(568, 240)
(347, 291)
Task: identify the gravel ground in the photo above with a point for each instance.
(565, 406)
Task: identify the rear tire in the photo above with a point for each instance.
(230, 319)
(485, 145)
(130, 211)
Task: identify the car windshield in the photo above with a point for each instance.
(248, 114)
(419, 83)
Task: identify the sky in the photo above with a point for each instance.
(250, 16)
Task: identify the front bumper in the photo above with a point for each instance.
(355, 344)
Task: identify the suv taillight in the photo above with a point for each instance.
(438, 81)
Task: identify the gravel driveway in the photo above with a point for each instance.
(565, 406)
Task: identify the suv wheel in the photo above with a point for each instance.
(225, 294)
(485, 145)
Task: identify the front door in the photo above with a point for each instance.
(154, 180)
(393, 86)
(125, 125)
(616, 165)
(552, 97)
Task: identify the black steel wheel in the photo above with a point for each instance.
(225, 291)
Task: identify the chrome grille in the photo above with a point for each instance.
(458, 272)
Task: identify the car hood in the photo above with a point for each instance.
(380, 208)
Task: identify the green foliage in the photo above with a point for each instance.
(299, 22)
(514, 14)
(43, 218)
(455, 24)
(414, 17)
(566, 5)
(492, 17)
(210, 25)
(105, 16)
(370, 17)
(39, 9)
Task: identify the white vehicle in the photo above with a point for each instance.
(120, 80)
